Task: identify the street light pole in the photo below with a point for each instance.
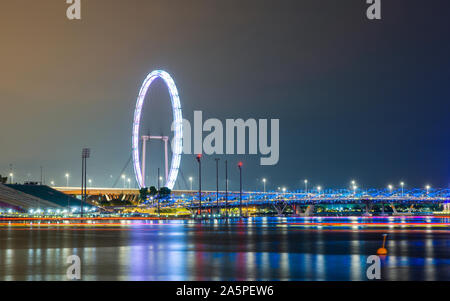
(226, 188)
(354, 187)
(199, 157)
(159, 179)
(82, 181)
(217, 184)
(264, 183)
(240, 189)
(403, 185)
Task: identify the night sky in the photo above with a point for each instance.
(356, 99)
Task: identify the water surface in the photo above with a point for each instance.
(253, 249)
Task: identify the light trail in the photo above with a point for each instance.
(187, 218)
(378, 225)
(88, 219)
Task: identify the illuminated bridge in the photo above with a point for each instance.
(280, 200)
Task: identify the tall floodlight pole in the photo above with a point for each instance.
(88, 153)
(240, 188)
(199, 157)
(82, 181)
(190, 180)
(68, 199)
(217, 184)
(306, 186)
(84, 192)
(226, 188)
(85, 154)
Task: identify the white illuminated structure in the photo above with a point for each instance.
(177, 144)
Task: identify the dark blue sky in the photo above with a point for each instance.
(356, 99)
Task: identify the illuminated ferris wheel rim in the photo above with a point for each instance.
(177, 143)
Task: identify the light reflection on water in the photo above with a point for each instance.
(256, 249)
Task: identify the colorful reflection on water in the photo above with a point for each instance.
(249, 249)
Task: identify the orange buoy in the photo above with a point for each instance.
(383, 250)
